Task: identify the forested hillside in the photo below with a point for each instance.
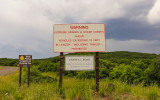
(130, 67)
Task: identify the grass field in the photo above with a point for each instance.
(75, 89)
(123, 76)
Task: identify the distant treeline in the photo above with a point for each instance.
(8, 62)
(130, 67)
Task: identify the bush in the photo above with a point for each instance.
(70, 73)
(103, 73)
(49, 66)
(36, 77)
(86, 75)
(152, 73)
(127, 74)
(140, 64)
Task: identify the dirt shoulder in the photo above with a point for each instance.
(5, 70)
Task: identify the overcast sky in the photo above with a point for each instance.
(26, 26)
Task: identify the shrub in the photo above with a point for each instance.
(49, 66)
(36, 77)
(86, 75)
(70, 73)
(103, 73)
(152, 73)
(127, 74)
(153, 93)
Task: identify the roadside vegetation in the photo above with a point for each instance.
(73, 89)
(123, 76)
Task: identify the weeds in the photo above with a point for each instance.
(75, 89)
(152, 92)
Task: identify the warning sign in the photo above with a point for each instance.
(79, 38)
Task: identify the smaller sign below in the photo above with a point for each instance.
(75, 63)
(25, 60)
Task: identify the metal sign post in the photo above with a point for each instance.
(61, 71)
(97, 71)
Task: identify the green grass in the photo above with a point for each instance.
(75, 89)
(153, 92)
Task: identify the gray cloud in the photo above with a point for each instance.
(154, 13)
(27, 25)
(144, 46)
(125, 29)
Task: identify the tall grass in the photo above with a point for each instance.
(153, 92)
(78, 89)
(9, 90)
(75, 89)
(7, 86)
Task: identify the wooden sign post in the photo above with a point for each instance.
(20, 74)
(97, 71)
(61, 71)
(25, 61)
(28, 76)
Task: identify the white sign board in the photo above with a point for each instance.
(79, 63)
(79, 38)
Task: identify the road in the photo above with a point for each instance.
(5, 70)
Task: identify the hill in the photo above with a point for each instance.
(111, 56)
(131, 67)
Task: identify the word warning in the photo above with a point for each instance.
(79, 38)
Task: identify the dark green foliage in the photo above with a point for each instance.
(127, 73)
(86, 74)
(49, 66)
(152, 73)
(127, 55)
(8, 62)
(36, 77)
(140, 64)
(130, 67)
(105, 68)
(104, 72)
(70, 73)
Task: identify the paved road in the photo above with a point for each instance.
(7, 70)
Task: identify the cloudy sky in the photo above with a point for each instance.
(26, 26)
